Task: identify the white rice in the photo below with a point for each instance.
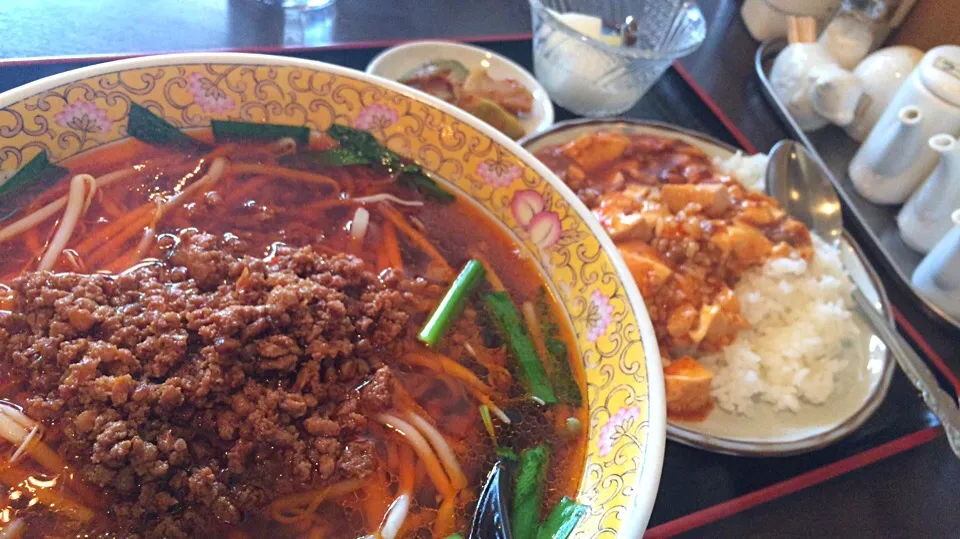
(800, 322)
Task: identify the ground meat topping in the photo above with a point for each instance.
(194, 391)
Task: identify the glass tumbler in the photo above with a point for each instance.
(594, 62)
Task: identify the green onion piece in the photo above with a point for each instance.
(364, 145)
(454, 536)
(226, 131)
(488, 423)
(507, 453)
(152, 129)
(335, 158)
(562, 520)
(566, 386)
(528, 492)
(36, 170)
(520, 346)
(452, 303)
(426, 187)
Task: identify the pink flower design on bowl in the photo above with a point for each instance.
(498, 173)
(525, 205)
(84, 117)
(617, 427)
(206, 94)
(599, 314)
(376, 117)
(545, 229)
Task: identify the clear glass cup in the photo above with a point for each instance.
(299, 4)
(578, 58)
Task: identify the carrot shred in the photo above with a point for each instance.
(392, 246)
(103, 253)
(408, 469)
(441, 363)
(445, 523)
(284, 172)
(375, 498)
(93, 241)
(416, 237)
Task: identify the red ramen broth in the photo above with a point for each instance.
(258, 424)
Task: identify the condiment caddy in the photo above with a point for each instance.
(911, 123)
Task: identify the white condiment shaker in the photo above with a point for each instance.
(881, 75)
(934, 89)
(925, 218)
(796, 74)
(877, 170)
(938, 275)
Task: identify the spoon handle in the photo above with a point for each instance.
(937, 400)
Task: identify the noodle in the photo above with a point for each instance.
(52, 208)
(395, 517)
(13, 477)
(423, 450)
(75, 204)
(296, 507)
(447, 457)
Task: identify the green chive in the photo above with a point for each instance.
(452, 303)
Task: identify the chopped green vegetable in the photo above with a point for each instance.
(521, 347)
(452, 303)
(225, 131)
(152, 129)
(335, 158)
(565, 384)
(528, 492)
(426, 187)
(488, 423)
(363, 145)
(454, 536)
(562, 520)
(507, 454)
(36, 170)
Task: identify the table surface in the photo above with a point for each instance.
(905, 487)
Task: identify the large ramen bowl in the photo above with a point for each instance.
(86, 109)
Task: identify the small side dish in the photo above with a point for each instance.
(499, 102)
(747, 305)
(489, 86)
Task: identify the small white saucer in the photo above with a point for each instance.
(395, 62)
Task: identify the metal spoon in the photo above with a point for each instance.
(802, 186)
(491, 520)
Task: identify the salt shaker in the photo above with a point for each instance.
(938, 275)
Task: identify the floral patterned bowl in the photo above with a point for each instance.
(85, 109)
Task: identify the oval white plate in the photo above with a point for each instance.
(397, 61)
(860, 387)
